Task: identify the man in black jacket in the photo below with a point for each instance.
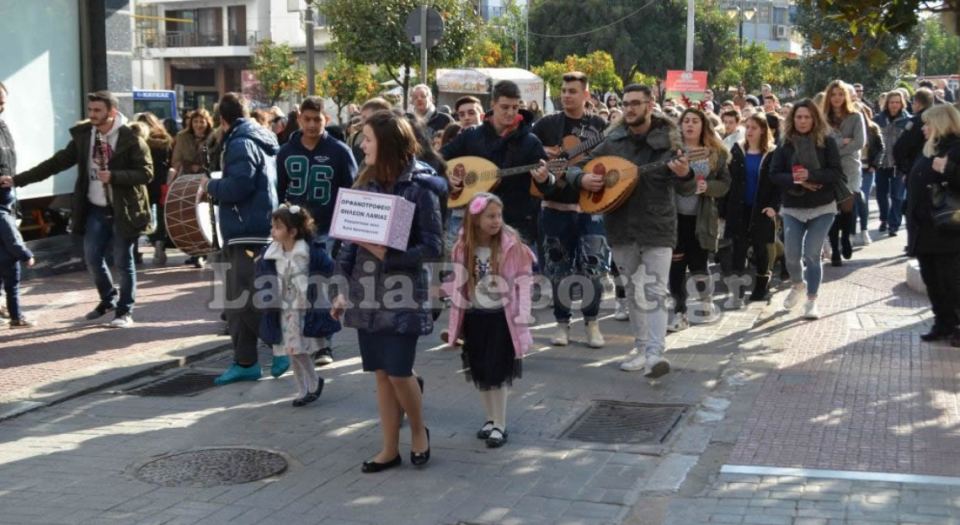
(426, 111)
(909, 146)
(572, 242)
(505, 139)
(110, 206)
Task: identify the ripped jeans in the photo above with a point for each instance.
(575, 250)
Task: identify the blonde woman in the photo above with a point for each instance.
(847, 126)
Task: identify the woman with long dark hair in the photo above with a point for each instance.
(937, 250)
(161, 146)
(846, 125)
(388, 331)
(750, 210)
(698, 216)
(805, 168)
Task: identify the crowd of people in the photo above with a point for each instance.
(728, 185)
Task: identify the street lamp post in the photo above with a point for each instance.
(309, 26)
(741, 14)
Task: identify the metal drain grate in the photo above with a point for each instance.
(185, 384)
(212, 467)
(622, 423)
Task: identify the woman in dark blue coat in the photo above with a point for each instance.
(381, 281)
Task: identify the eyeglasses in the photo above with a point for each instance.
(635, 103)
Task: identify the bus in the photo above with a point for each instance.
(161, 103)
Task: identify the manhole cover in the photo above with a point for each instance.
(185, 384)
(621, 423)
(212, 467)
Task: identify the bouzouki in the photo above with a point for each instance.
(480, 175)
(620, 177)
(572, 151)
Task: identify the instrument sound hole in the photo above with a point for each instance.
(611, 178)
(471, 178)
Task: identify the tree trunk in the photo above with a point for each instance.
(406, 84)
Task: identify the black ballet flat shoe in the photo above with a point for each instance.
(310, 397)
(484, 431)
(494, 441)
(420, 459)
(372, 467)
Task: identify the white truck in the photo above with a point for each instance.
(455, 83)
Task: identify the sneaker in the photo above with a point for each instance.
(200, 262)
(122, 321)
(4, 313)
(100, 311)
(323, 357)
(279, 365)
(594, 337)
(238, 373)
(796, 293)
(621, 313)
(159, 254)
(562, 336)
(864, 238)
(810, 310)
(657, 366)
(23, 322)
(635, 364)
(679, 323)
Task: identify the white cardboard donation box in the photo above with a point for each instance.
(375, 218)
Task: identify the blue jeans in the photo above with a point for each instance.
(99, 237)
(574, 244)
(891, 192)
(10, 277)
(862, 204)
(802, 242)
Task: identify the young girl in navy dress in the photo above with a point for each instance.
(491, 307)
(294, 265)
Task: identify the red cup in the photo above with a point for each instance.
(797, 168)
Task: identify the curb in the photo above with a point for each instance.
(15, 407)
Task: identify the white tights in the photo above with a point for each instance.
(495, 406)
(304, 374)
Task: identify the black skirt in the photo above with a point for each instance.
(489, 360)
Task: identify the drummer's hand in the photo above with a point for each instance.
(6, 181)
(339, 305)
(203, 183)
(104, 176)
(378, 251)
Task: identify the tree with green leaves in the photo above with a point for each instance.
(345, 83)
(277, 70)
(649, 38)
(940, 50)
(598, 66)
(758, 66)
(372, 32)
(830, 59)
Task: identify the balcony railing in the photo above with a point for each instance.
(193, 39)
(242, 38)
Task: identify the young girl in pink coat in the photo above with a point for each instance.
(490, 311)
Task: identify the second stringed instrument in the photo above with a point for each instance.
(620, 177)
(572, 151)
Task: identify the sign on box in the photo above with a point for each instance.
(375, 218)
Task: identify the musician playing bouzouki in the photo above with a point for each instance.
(643, 231)
(504, 139)
(571, 242)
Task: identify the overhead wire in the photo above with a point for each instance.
(595, 30)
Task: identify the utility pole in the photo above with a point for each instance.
(691, 11)
(311, 74)
(423, 44)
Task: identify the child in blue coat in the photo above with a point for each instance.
(291, 273)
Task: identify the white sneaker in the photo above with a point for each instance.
(679, 323)
(810, 310)
(865, 238)
(635, 364)
(562, 336)
(793, 298)
(656, 367)
(594, 337)
(122, 321)
(621, 313)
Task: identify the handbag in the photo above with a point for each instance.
(844, 197)
(945, 207)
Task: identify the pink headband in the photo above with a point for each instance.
(478, 204)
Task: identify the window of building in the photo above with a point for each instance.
(195, 27)
(237, 25)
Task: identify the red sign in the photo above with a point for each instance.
(689, 83)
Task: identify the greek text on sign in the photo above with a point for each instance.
(375, 218)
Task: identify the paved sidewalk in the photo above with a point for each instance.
(855, 394)
(66, 355)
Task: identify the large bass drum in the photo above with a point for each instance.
(192, 222)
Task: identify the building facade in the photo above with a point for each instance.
(203, 48)
(767, 22)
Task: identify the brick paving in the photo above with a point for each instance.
(171, 316)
